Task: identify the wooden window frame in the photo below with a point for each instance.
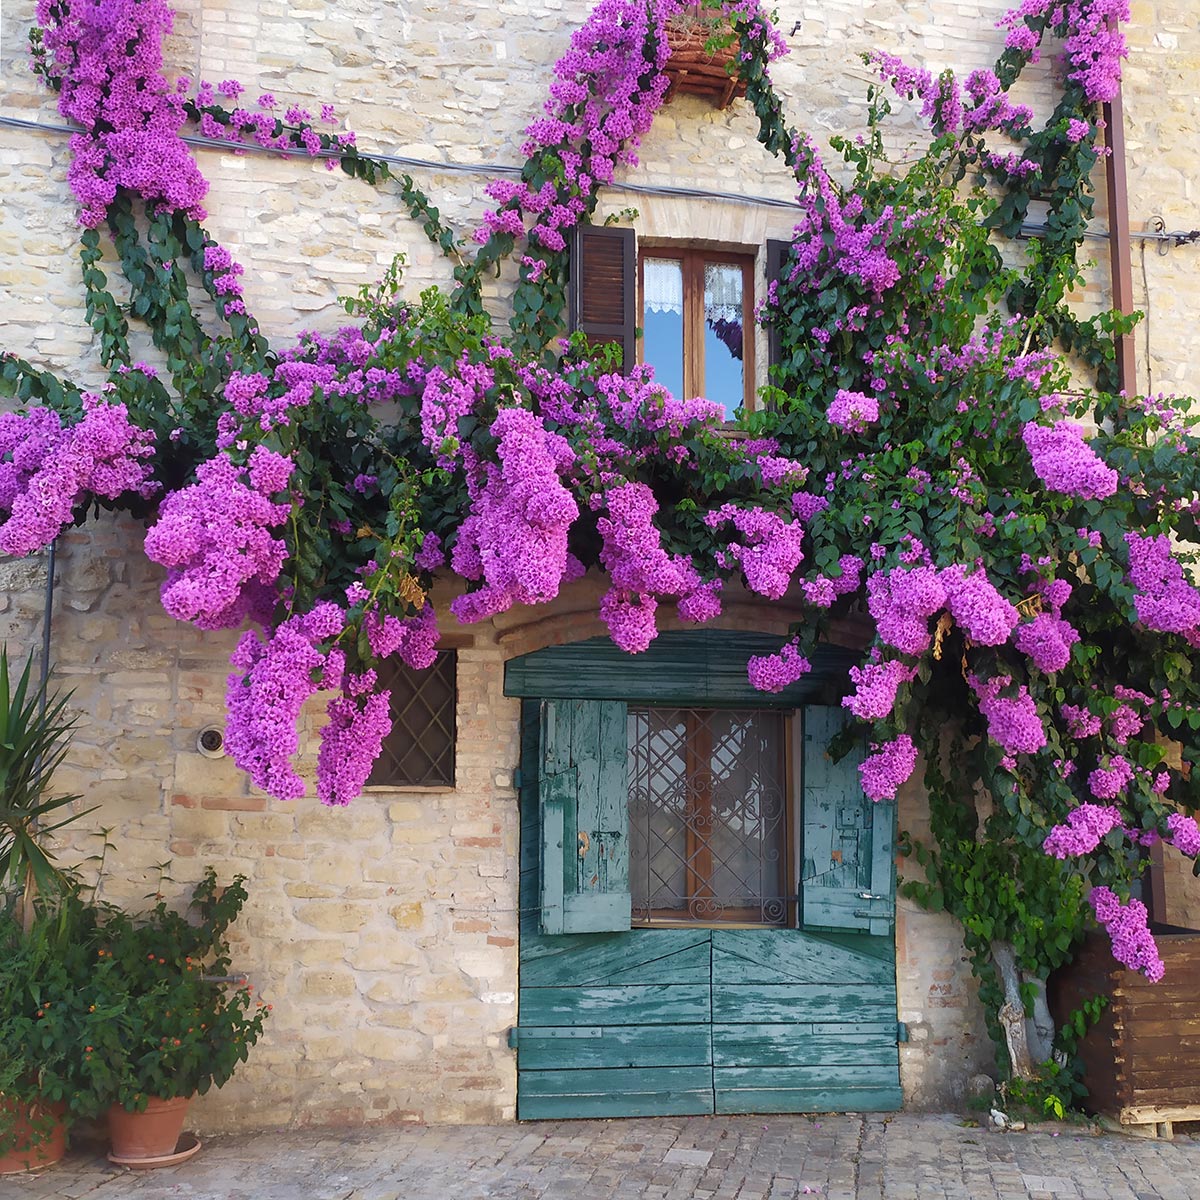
(698, 871)
(692, 260)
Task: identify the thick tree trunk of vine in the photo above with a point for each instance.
(1039, 1029)
(1012, 1011)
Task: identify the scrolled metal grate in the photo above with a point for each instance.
(708, 815)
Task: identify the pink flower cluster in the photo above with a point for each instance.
(214, 537)
(770, 550)
(942, 98)
(48, 468)
(902, 601)
(515, 536)
(822, 590)
(1013, 720)
(1092, 48)
(835, 237)
(888, 767)
(1064, 462)
(108, 60)
(273, 678)
(1087, 826)
(1164, 598)
(446, 398)
(1047, 640)
(774, 672)
(852, 411)
(1184, 834)
(1129, 928)
(413, 638)
(1107, 783)
(640, 569)
(603, 98)
(876, 685)
(985, 616)
(359, 719)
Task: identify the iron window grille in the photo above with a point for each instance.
(709, 823)
(419, 751)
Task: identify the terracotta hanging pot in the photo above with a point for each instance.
(694, 69)
(153, 1134)
(40, 1133)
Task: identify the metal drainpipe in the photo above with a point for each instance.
(46, 627)
(44, 674)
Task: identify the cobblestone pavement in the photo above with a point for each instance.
(904, 1157)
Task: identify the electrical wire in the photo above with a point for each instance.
(423, 164)
(1175, 238)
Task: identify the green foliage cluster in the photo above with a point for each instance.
(102, 1007)
(164, 1017)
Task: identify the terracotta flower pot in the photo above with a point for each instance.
(36, 1146)
(695, 70)
(150, 1134)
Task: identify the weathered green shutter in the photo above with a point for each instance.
(584, 802)
(847, 881)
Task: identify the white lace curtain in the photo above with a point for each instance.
(662, 283)
(722, 293)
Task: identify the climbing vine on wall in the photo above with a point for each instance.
(921, 457)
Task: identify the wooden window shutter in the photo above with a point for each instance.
(776, 256)
(847, 880)
(583, 794)
(603, 288)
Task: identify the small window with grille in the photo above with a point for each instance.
(419, 751)
(708, 816)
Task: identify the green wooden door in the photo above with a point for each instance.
(803, 1022)
(612, 1023)
(642, 1022)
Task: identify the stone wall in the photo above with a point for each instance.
(384, 934)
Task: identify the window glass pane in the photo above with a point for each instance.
(707, 809)
(658, 808)
(662, 321)
(724, 377)
(749, 807)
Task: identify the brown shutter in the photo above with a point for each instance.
(776, 255)
(603, 289)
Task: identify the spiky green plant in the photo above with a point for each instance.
(35, 736)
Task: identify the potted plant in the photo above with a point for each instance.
(44, 925)
(43, 956)
(704, 48)
(165, 1019)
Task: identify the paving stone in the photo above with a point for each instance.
(905, 1157)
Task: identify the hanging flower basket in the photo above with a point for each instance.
(698, 70)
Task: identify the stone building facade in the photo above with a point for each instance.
(385, 935)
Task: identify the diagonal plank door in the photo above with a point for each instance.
(803, 1022)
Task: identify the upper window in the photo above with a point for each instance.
(419, 751)
(708, 816)
(698, 323)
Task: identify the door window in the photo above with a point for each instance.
(708, 816)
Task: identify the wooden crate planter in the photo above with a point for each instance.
(696, 71)
(1142, 1058)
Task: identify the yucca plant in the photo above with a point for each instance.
(35, 735)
